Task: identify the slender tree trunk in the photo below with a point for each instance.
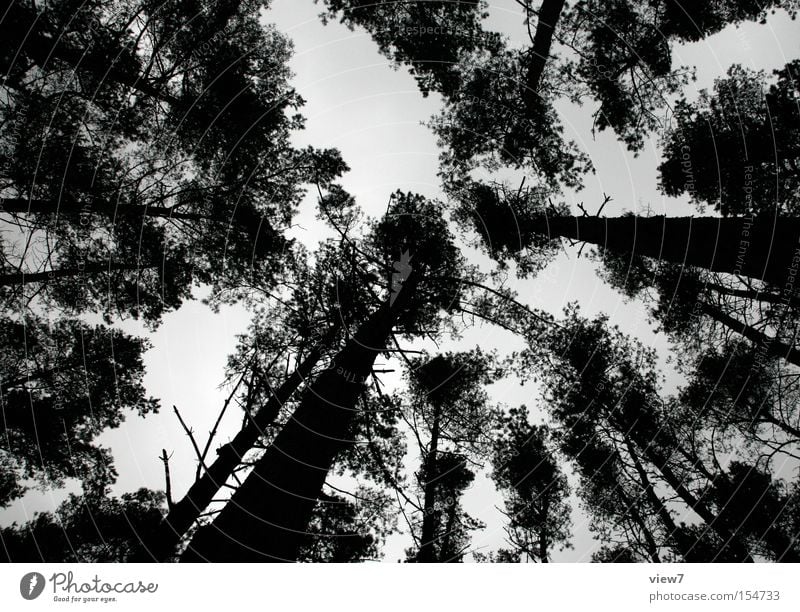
(730, 538)
(772, 346)
(764, 249)
(426, 553)
(751, 294)
(683, 544)
(161, 546)
(543, 554)
(266, 518)
(548, 16)
(652, 547)
(448, 554)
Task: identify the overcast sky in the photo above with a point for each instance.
(358, 103)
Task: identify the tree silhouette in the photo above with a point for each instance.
(267, 513)
(193, 181)
(535, 488)
(449, 416)
(64, 382)
(737, 149)
(84, 529)
(762, 249)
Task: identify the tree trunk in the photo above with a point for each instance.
(683, 544)
(652, 547)
(772, 346)
(763, 249)
(266, 518)
(182, 516)
(543, 554)
(426, 553)
(767, 297)
(447, 553)
(730, 539)
(549, 13)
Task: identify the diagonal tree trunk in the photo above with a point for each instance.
(110, 209)
(161, 546)
(265, 520)
(730, 538)
(767, 297)
(772, 346)
(549, 14)
(683, 544)
(650, 543)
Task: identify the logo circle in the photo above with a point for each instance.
(31, 585)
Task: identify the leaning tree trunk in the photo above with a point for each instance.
(730, 538)
(685, 545)
(769, 345)
(549, 14)
(161, 545)
(765, 248)
(266, 518)
(426, 553)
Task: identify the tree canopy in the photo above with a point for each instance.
(153, 153)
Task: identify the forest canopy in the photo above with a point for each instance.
(423, 373)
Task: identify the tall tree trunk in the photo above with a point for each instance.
(447, 553)
(266, 518)
(426, 553)
(772, 346)
(543, 553)
(548, 16)
(764, 249)
(161, 546)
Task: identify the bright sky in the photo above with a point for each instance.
(373, 114)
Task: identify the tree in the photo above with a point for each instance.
(90, 528)
(341, 531)
(64, 382)
(267, 513)
(430, 37)
(449, 415)
(753, 505)
(534, 486)
(738, 149)
(627, 443)
(702, 310)
(192, 183)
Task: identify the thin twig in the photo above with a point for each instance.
(190, 433)
(165, 458)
